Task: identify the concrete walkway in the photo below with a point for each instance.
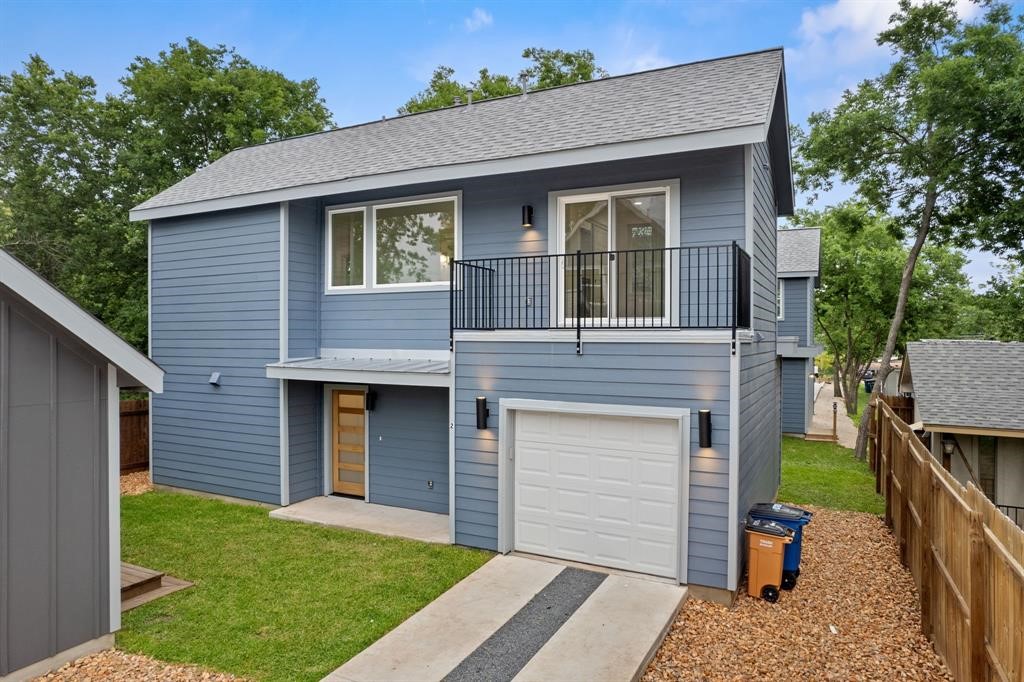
(345, 512)
(521, 619)
(822, 421)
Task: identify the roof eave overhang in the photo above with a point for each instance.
(973, 430)
(797, 274)
(712, 139)
(359, 376)
(135, 369)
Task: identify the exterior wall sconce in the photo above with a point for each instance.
(704, 427)
(482, 413)
(215, 378)
(527, 216)
(370, 401)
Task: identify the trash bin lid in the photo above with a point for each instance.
(766, 527)
(783, 512)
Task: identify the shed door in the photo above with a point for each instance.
(598, 489)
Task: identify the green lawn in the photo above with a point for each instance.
(827, 475)
(273, 600)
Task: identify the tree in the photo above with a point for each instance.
(52, 162)
(935, 141)
(550, 68)
(861, 257)
(1003, 301)
(71, 165)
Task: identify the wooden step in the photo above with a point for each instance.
(823, 437)
(136, 580)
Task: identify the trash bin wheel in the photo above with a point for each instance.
(770, 593)
(796, 573)
(789, 580)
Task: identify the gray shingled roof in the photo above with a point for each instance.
(799, 250)
(725, 93)
(968, 383)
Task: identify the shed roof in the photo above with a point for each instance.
(799, 252)
(716, 103)
(976, 384)
(23, 281)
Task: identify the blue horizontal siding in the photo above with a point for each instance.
(305, 473)
(795, 313)
(795, 389)
(408, 437)
(694, 376)
(215, 308)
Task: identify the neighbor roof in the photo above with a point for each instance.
(798, 252)
(976, 384)
(23, 281)
(722, 102)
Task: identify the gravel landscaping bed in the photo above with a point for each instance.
(853, 616)
(135, 483)
(117, 666)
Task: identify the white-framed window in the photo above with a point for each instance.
(623, 233)
(396, 244)
(780, 300)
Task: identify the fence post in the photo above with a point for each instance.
(904, 501)
(978, 599)
(887, 448)
(926, 486)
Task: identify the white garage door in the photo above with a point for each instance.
(598, 489)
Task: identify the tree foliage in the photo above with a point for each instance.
(72, 164)
(934, 141)
(549, 68)
(861, 257)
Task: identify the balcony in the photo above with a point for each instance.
(695, 287)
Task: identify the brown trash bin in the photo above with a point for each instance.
(766, 547)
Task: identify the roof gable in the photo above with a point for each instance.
(716, 103)
(977, 384)
(45, 298)
(799, 252)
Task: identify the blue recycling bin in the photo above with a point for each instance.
(791, 517)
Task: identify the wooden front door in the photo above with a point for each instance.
(348, 442)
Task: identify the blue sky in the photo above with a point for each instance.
(369, 57)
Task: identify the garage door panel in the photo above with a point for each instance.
(598, 489)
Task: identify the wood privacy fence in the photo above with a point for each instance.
(134, 435)
(967, 557)
(901, 405)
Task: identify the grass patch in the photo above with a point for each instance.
(827, 475)
(273, 600)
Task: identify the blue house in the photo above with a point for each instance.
(549, 316)
(799, 256)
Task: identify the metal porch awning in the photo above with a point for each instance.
(361, 369)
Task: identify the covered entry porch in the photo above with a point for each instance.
(366, 442)
(347, 512)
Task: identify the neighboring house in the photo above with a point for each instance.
(969, 395)
(509, 312)
(798, 270)
(60, 541)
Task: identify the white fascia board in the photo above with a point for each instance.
(356, 376)
(605, 410)
(805, 274)
(20, 279)
(114, 498)
(712, 139)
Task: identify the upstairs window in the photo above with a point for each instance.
(409, 244)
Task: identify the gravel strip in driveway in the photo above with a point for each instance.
(853, 616)
(118, 666)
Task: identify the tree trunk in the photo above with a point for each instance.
(897, 318)
(837, 384)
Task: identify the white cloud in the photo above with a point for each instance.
(632, 55)
(843, 32)
(478, 19)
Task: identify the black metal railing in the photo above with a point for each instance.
(1016, 514)
(696, 287)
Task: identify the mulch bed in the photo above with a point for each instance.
(136, 483)
(853, 616)
(118, 666)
